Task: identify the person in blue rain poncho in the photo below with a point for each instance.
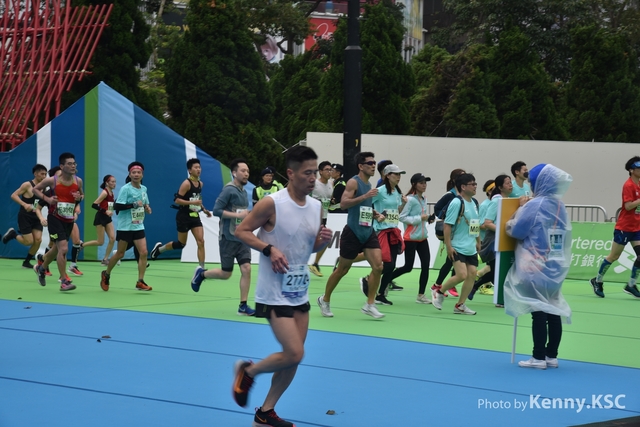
(543, 255)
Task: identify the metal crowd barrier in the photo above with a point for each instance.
(587, 213)
(577, 213)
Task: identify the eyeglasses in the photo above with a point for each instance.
(473, 184)
(370, 163)
(71, 164)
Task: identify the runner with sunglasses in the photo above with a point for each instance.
(358, 235)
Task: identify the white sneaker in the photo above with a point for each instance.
(533, 363)
(422, 299)
(463, 309)
(551, 363)
(437, 299)
(325, 307)
(371, 310)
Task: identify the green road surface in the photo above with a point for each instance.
(602, 330)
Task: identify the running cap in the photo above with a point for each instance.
(337, 166)
(418, 177)
(392, 169)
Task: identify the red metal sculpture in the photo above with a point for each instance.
(45, 45)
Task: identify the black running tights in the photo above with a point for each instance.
(410, 249)
(444, 271)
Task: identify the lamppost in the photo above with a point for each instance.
(352, 139)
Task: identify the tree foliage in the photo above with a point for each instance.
(603, 97)
(281, 19)
(455, 95)
(387, 81)
(296, 89)
(218, 94)
(522, 90)
(547, 23)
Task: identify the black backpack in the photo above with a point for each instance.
(443, 214)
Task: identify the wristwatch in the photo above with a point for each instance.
(267, 250)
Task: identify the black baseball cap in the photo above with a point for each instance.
(267, 170)
(418, 177)
(337, 166)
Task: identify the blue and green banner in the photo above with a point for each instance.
(106, 131)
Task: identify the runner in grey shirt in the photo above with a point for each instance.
(231, 207)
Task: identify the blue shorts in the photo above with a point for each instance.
(624, 237)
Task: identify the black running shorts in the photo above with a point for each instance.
(264, 310)
(185, 221)
(351, 246)
(58, 229)
(27, 222)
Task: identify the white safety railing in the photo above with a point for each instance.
(577, 213)
(587, 213)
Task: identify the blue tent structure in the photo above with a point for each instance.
(106, 131)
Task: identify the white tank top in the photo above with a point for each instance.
(294, 235)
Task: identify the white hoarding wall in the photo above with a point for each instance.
(335, 222)
(597, 168)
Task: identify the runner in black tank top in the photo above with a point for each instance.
(188, 201)
(30, 224)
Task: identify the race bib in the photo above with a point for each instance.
(474, 227)
(137, 215)
(109, 206)
(233, 224)
(392, 217)
(366, 216)
(556, 244)
(195, 208)
(295, 282)
(239, 220)
(325, 207)
(65, 210)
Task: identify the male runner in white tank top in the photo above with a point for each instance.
(290, 231)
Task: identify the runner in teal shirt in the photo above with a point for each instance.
(462, 240)
(466, 230)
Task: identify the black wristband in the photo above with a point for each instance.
(267, 250)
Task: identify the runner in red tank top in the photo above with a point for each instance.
(627, 230)
(67, 192)
(65, 198)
